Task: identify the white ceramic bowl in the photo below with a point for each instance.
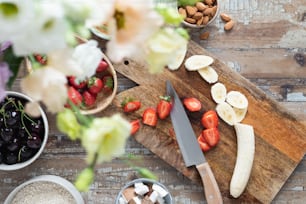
(168, 198)
(16, 166)
(48, 178)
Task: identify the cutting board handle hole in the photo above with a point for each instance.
(126, 62)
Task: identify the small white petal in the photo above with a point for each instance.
(33, 109)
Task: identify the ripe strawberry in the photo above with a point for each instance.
(102, 66)
(210, 119)
(203, 143)
(164, 107)
(131, 106)
(108, 83)
(88, 98)
(150, 117)
(94, 85)
(135, 126)
(211, 135)
(42, 59)
(192, 104)
(78, 85)
(74, 96)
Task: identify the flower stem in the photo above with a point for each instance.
(82, 118)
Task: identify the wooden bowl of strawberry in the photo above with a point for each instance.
(96, 93)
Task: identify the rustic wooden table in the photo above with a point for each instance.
(261, 47)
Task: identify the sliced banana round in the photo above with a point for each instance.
(218, 92)
(209, 74)
(178, 58)
(196, 62)
(226, 113)
(240, 113)
(237, 99)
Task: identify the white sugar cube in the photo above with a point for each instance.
(153, 197)
(141, 189)
(160, 190)
(136, 200)
(138, 184)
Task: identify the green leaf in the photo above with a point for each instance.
(14, 63)
(183, 32)
(187, 2)
(170, 15)
(146, 173)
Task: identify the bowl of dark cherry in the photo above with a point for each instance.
(22, 137)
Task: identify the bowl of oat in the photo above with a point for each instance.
(46, 189)
(199, 14)
(144, 191)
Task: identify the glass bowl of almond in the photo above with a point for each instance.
(200, 14)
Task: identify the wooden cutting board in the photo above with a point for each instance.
(280, 138)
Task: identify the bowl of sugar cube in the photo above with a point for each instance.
(144, 191)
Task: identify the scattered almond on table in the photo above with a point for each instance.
(229, 22)
(204, 36)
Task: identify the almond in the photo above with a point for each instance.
(201, 6)
(191, 10)
(205, 20)
(214, 11)
(208, 2)
(190, 20)
(225, 17)
(200, 21)
(229, 25)
(208, 12)
(183, 12)
(204, 36)
(197, 15)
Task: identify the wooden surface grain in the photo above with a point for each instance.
(261, 47)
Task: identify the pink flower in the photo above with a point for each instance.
(5, 74)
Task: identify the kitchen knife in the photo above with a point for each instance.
(190, 149)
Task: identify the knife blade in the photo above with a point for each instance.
(190, 149)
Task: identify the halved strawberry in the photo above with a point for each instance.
(131, 106)
(149, 117)
(211, 135)
(203, 143)
(74, 96)
(192, 104)
(135, 126)
(89, 99)
(108, 83)
(102, 66)
(94, 85)
(164, 107)
(78, 85)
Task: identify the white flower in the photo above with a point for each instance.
(92, 12)
(33, 109)
(161, 47)
(15, 16)
(106, 136)
(62, 61)
(132, 23)
(88, 57)
(46, 85)
(45, 33)
(82, 61)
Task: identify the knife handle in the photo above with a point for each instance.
(211, 188)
